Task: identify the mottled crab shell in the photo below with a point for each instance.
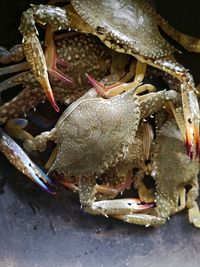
(95, 132)
(174, 169)
(127, 26)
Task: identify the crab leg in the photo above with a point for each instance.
(178, 114)
(116, 207)
(104, 190)
(30, 97)
(194, 215)
(24, 101)
(12, 81)
(15, 54)
(15, 128)
(32, 46)
(118, 88)
(58, 19)
(14, 68)
(23, 163)
(190, 43)
(51, 57)
(141, 219)
(193, 208)
(189, 100)
(51, 158)
(192, 120)
(87, 191)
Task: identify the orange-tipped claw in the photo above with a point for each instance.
(51, 61)
(51, 58)
(107, 91)
(48, 91)
(58, 74)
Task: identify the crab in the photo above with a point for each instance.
(97, 61)
(119, 177)
(129, 27)
(172, 174)
(90, 56)
(93, 57)
(93, 135)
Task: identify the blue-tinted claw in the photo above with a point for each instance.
(39, 177)
(18, 122)
(17, 157)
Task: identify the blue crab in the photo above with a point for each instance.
(98, 61)
(172, 174)
(129, 27)
(95, 135)
(90, 56)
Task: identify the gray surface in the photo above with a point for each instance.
(40, 230)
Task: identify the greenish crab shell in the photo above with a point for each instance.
(101, 139)
(174, 169)
(128, 26)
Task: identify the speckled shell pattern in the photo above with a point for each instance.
(174, 168)
(91, 135)
(130, 25)
(84, 54)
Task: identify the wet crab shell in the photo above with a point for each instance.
(127, 26)
(91, 136)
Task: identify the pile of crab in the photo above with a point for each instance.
(118, 128)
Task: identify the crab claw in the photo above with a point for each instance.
(192, 118)
(137, 205)
(108, 91)
(51, 63)
(120, 206)
(44, 81)
(51, 57)
(23, 163)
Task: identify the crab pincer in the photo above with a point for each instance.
(15, 154)
(35, 55)
(119, 207)
(192, 122)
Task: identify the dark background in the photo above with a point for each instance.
(40, 230)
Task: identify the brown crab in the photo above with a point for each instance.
(127, 26)
(95, 134)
